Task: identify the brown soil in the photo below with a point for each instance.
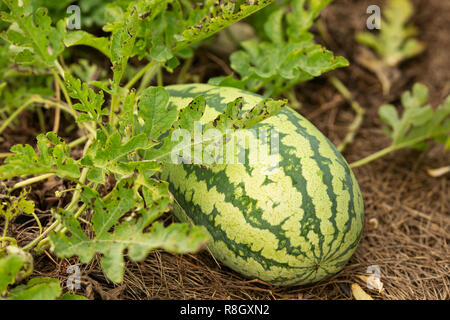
(411, 241)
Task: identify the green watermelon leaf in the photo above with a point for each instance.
(190, 114)
(260, 112)
(286, 54)
(152, 109)
(395, 43)
(221, 15)
(83, 38)
(9, 268)
(37, 289)
(230, 119)
(114, 234)
(54, 157)
(91, 103)
(418, 124)
(123, 39)
(40, 43)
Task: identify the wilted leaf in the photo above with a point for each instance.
(359, 293)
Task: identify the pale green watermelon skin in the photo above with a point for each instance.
(295, 227)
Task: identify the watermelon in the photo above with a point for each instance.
(295, 226)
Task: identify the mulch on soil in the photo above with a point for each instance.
(410, 242)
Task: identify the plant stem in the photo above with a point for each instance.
(10, 240)
(63, 88)
(6, 155)
(184, 70)
(160, 77)
(56, 104)
(373, 157)
(357, 122)
(16, 113)
(37, 221)
(388, 150)
(69, 110)
(323, 31)
(41, 119)
(292, 97)
(57, 111)
(77, 193)
(33, 180)
(140, 74)
(149, 75)
(59, 68)
(41, 236)
(77, 142)
(39, 99)
(5, 228)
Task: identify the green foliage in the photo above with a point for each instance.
(158, 117)
(230, 119)
(53, 157)
(395, 43)
(37, 41)
(419, 121)
(92, 11)
(168, 28)
(118, 199)
(16, 206)
(15, 266)
(128, 234)
(287, 54)
(83, 38)
(91, 103)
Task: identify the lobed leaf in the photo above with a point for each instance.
(394, 43)
(53, 157)
(114, 234)
(287, 54)
(419, 122)
(38, 41)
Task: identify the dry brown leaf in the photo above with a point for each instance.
(439, 172)
(373, 223)
(359, 293)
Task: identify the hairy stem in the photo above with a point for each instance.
(357, 122)
(10, 240)
(16, 113)
(32, 180)
(292, 97)
(388, 150)
(63, 88)
(160, 77)
(140, 74)
(57, 224)
(149, 75)
(57, 111)
(373, 157)
(39, 99)
(184, 70)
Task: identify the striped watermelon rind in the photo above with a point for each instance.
(295, 227)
